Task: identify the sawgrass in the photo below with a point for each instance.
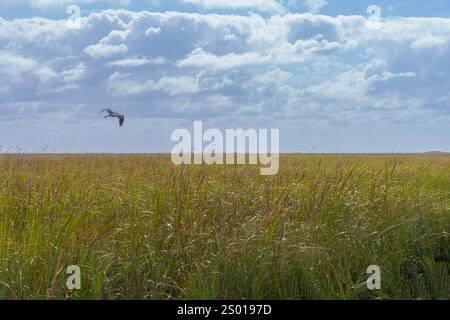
(141, 228)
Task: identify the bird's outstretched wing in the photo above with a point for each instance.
(106, 110)
(121, 119)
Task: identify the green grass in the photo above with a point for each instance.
(142, 228)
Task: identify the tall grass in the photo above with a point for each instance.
(142, 228)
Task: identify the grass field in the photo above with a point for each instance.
(142, 228)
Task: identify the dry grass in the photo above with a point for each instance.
(141, 228)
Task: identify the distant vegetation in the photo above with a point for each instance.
(435, 152)
(142, 228)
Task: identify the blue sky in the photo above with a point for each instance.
(329, 75)
(406, 8)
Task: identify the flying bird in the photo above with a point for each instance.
(112, 114)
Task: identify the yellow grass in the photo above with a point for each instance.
(141, 228)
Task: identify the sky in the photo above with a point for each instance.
(331, 75)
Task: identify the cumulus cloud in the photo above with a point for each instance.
(126, 84)
(314, 69)
(199, 58)
(152, 31)
(109, 46)
(261, 5)
(58, 3)
(103, 50)
(136, 62)
(75, 74)
(315, 5)
(13, 65)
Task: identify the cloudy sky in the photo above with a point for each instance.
(332, 75)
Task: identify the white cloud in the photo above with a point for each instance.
(152, 31)
(429, 41)
(75, 74)
(13, 65)
(59, 3)
(315, 5)
(283, 53)
(102, 50)
(199, 58)
(297, 66)
(305, 70)
(125, 84)
(260, 5)
(46, 74)
(137, 62)
(275, 76)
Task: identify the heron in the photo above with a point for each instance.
(112, 114)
